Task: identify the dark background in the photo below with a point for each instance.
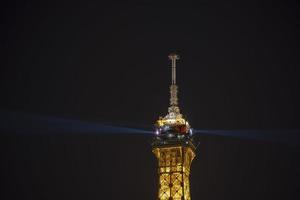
(101, 62)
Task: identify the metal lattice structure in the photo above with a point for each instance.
(174, 149)
(174, 170)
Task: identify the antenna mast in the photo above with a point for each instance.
(173, 57)
(173, 88)
(173, 120)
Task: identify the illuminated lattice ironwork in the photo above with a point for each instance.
(173, 146)
(174, 169)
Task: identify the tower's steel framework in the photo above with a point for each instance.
(173, 146)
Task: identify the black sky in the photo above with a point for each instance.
(107, 62)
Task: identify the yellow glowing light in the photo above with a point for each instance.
(174, 170)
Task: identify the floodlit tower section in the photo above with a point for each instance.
(174, 148)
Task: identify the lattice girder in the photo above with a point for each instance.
(173, 170)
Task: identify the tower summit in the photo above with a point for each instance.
(173, 146)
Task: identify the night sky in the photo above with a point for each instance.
(108, 63)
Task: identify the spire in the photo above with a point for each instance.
(173, 88)
(173, 57)
(173, 120)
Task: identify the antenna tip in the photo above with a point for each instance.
(174, 56)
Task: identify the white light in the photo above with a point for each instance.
(191, 131)
(156, 132)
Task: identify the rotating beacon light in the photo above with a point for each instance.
(174, 148)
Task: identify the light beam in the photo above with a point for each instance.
(22, 123)
(288, 136)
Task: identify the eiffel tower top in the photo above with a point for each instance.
(173, 121)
